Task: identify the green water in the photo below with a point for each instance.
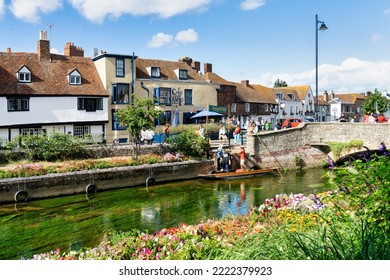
(73, 222)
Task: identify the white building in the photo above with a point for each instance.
(43, 91)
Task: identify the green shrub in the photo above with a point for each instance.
(338, 147)
(189, 143)
(57, 146)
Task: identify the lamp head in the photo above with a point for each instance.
(323, 27)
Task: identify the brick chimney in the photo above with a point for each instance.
(333, 96)
(326, 96)
(71, 50)
(186, 59)
(196, 65)
(43, 46)
(245, 83)
(208, 67)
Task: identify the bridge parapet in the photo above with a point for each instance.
(318, 134)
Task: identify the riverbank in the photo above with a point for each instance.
(87, 178)
(351, 222)
(90, 181)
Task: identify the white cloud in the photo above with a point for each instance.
(2, 8)
(160, 39)
(252, 4)
(98, 10)
(187, 36)
(54, 50)
(182, 37)
(351, 76)
(30, 11)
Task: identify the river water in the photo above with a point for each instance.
(77, 221)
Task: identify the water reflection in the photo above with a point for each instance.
(73, 222)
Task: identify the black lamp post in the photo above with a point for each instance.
(322, 27)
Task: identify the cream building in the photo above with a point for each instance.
(177, 87)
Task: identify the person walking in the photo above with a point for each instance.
(166, 132)
(236, 135)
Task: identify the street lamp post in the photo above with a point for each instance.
(322, 27)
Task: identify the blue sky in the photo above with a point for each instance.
(255, 40)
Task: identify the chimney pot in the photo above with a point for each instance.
(71, 50)
(8, 50)
(245, 82)
(43, 46)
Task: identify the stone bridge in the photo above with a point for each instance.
(308, 141)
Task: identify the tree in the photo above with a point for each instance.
(376, 102)
(141, 115)
(280, 83)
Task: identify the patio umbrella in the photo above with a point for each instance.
(175, 121)
(206, 113)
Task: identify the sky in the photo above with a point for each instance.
(256, 40)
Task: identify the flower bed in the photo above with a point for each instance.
(43, 168)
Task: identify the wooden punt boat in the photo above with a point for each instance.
(237, 174)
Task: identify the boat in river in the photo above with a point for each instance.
(239, 173)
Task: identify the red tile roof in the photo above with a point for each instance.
(49, 77)
(167, 69)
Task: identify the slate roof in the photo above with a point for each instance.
(48, 76)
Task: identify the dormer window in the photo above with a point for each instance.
(154, 72)
(182, 74)
(74, 78)
(24, 75)
(291, 95)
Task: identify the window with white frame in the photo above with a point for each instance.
(31, 131)
(183, 74)
(155, 72)
(120, 67)
(234, 107)
(81, 130)
(266, 107)
(291, 95)
(247, 107)
(24, 75)
(74, 78)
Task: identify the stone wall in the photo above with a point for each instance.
(53, 185)
(308, 142)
